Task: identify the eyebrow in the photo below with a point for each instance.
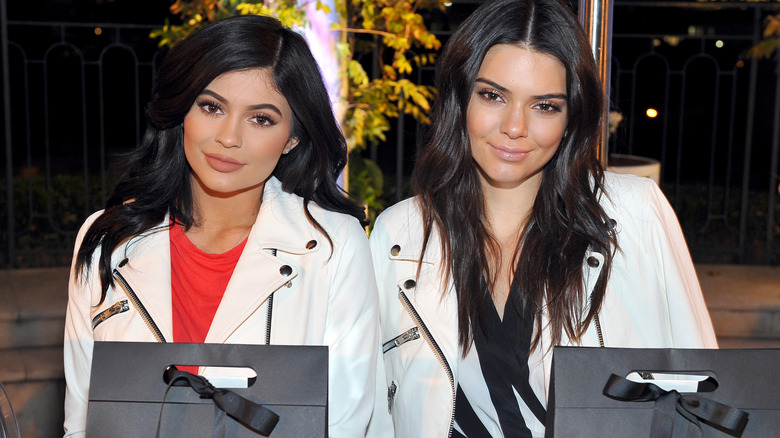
(267, 106)
(504, 89)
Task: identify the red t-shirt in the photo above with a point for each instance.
(198, 282)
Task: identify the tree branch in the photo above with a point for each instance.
(370, 31)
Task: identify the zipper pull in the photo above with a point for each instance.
(118, 307)
(391, 396)
(409, 335)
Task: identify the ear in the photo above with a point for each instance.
(291, 144)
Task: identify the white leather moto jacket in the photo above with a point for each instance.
(322, 295)
(653, 299)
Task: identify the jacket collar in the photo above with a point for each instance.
(407, 240)
(280, 225)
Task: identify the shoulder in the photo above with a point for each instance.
(88, 223)
(400, 229)
(629, 193)
(639, 207)
(400, 222)
(283, 218)
(626, 187)
(403, 215)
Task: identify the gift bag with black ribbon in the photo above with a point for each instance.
(664, 393)
(139, 389)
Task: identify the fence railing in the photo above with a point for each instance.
(74, 97)
(716, 133)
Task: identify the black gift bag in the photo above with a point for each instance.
(130, 395)
(664, 393)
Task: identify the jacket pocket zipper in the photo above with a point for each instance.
(117, 308)
(409, 335)
(138, 305)
(391, 397)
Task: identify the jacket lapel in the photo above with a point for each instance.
(280, 226)
(256, 276)
(426, 296)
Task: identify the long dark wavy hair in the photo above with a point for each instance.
(566, 218)
(157, 178)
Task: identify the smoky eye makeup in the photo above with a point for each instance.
(208, 106)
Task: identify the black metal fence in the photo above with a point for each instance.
(716, 134)
(74, 96)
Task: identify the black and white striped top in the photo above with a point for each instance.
(498, 393)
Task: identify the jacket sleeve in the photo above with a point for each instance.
(352, 333)
(691, 326)
(78, 341)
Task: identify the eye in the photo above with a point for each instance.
(491, 95)
(209, 107)
(263, 120)
(548, 107)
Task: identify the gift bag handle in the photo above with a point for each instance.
(692, 406)
(252, 415)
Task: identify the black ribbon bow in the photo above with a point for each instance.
(252, 415)
(692, 407)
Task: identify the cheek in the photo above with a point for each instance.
(192, 137)
(191, 131)
(479, 123)
(267, 146)
(549, 134)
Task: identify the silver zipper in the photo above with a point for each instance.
(391, 397)
(409, 335)
(117, 308)
(138, 305)
(597, 323)
(598, 330)
(436, 351)
(270, 311)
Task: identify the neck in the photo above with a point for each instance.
(507, 209)
(222, 222)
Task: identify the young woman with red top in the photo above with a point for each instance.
(228, 225)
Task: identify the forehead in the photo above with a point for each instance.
(516, 65)
(247, 85)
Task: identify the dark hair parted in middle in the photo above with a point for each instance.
(566, 218)
(157, 176)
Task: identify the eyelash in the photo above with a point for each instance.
(211, 108)
(205, 104)
(551, 107)
(491, 95)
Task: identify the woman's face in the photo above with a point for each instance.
(235, 133)
(516, 115)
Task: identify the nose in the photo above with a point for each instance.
(229, 133)
(514, 124)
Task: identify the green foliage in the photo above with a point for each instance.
(770, 43)
(195, 13)
(391, 31)
(371, 103)
(367, 179)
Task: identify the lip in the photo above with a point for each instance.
(223, 164)
(507, 153)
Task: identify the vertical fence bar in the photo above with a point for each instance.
(751, 110)
(773, 181)
(596, 18)
(9, 166)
